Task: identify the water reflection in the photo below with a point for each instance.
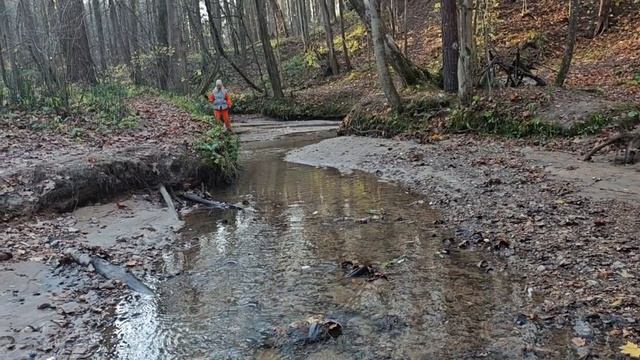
(242, 273)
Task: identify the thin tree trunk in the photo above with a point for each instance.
(118, 49)
(332, 10)
(277, 10)
(35, 48)
(97, 14)
(75, 43)
(243, 32)
(465, 58)
(331, 61)
(272, 66)
(6, 37)
(135, 45)
(304, 22)
(570, 45)
(381, 61)
(345, 48)
(220, 47)
(449, 45)
(193, 14)
(405, 31)
(228, 21)
(178, 71)
(163, 40)
(603, 17)
(5, 76)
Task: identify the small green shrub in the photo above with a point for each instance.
(220, 149)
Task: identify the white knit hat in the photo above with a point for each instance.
(218, 82)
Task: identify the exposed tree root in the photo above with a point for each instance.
(630, 139)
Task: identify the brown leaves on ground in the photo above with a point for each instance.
(30, 138)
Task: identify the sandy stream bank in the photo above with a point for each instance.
(568, 228)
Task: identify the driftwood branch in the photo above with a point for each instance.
(628, 138)
(209, 203)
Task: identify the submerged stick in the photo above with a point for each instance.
(212, 204)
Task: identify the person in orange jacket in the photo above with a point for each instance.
(221, 104)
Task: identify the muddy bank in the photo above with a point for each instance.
(62, 306)
(75, 182)
(576, 252)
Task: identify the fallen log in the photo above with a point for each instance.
(628, 138)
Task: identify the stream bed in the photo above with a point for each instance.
(237, 279)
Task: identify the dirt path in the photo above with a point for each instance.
(573, 243)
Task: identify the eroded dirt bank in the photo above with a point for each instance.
(568, 228)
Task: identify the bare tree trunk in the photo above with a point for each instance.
(304, 22)
(193, 13)
(35, 48)
(243, 32)
(345, 48)
(75, 43)
(135, 45)
(381, 61)
(331, 61)
(449, 45)
(405, 32)
(570, 45)
(272, 66)
(217, 19)
(465, 58)
(163, 40)
(407, 70)
(178, 73)
(5, 76)
(277, 10)
(97, 14)
(332, 10)
(228, 21)
(603, 17)
(12, 81)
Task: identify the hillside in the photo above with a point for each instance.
(604, 75)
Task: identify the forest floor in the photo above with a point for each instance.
(604, 77)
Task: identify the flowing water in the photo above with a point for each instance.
(238, 277)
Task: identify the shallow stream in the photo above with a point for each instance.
(236, 276)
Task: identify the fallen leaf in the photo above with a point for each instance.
(630, 349)
(578, 342)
